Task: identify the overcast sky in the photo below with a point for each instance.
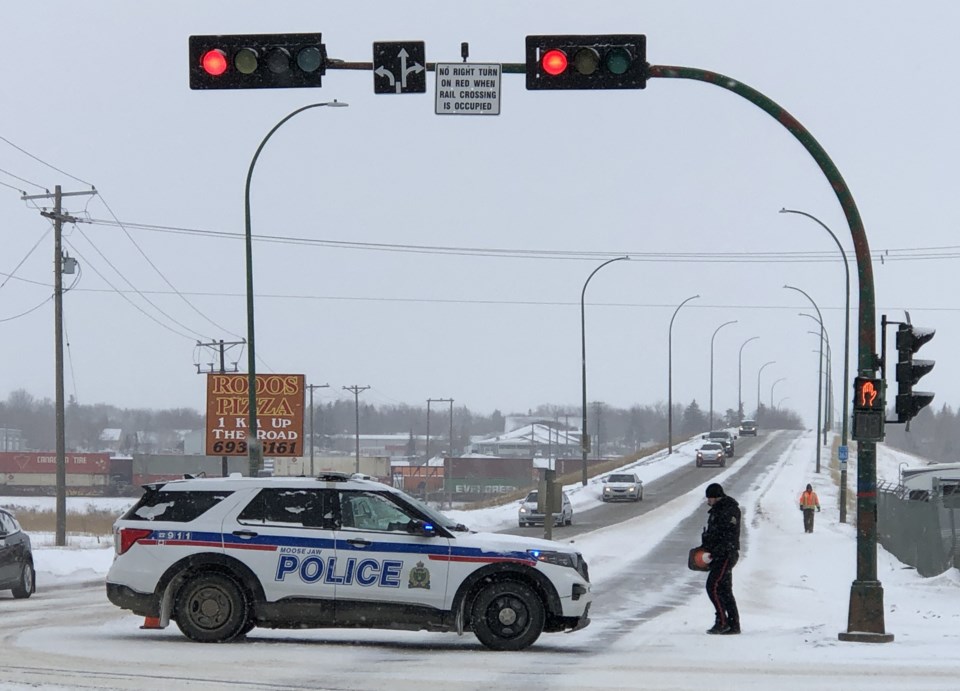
(100, 91)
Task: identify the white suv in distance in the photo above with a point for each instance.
(220, 556)
(529, 514)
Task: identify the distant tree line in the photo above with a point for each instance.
(620, 429)
(934, 435)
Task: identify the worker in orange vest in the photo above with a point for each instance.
(809, 502)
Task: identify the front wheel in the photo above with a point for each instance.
(27, 585)
(507, 615)
(211, 608)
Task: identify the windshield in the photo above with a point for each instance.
(622, 478)
(749, 423)
(532, 497)
(711, 447)
(718, 435)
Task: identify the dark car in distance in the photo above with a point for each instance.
(16, 558)
(724, 437)
(748, 428)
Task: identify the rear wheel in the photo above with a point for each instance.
(211, 608)
(27, 585)
(507, 615)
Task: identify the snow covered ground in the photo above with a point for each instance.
(793, 590)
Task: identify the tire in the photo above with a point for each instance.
(211, 608)
(699, 464)
(27, 585)
(570, 520)
(507, 615)
(723, 463)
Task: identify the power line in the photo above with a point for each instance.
(135, 289)
(773, 256)
(124, 296)
(161, 274)
(25, 257)
(7, 172)
(48, 165)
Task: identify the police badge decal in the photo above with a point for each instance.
(419, 577)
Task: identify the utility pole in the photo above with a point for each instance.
(356, 391)
(598, 407)
(312, 387)
(439, 400)
(221, 346)
(59, 264)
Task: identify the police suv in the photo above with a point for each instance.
(220, 556)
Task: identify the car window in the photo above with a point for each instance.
(622, 478)
(372, 511)
(178, 507)
(711, 447)
(6, 524)
(295, 508)
(532, 497)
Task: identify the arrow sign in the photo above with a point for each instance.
(399, 67)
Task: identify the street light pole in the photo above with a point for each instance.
(827, 393)
(740, 380)
(759, 372)
(845, 392)
(780, 402)
(820, 379)
(584, 437)
(772, 387)
(670, 375)
(711, 366)
(254, 448)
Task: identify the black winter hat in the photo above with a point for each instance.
(714, 491)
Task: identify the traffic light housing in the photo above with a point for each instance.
(601, 61)
(257, 61)
(909, 371)
(868, 409)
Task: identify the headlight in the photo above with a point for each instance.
(556, 558)
(523, 509)
(606, 489)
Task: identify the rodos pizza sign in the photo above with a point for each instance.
(279, 414)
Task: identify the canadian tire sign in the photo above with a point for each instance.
(279, 414)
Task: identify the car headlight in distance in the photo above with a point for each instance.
(606, 489)
(556, 558)
(523, 509)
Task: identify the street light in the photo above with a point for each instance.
(780, 402)
(584, 439)
(740, 380)
(670, 375)
(772, 387)
(711, 366)
(827, 385)
(254, 448)
(759, 372)
(846, 395)
(820, 380)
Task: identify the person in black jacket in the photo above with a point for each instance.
(721, 538)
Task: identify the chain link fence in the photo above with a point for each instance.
(920, 529)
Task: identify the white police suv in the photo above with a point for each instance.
(222, 555)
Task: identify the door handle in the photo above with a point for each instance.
(245, 533)
(359, 542)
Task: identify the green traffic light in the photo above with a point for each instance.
(618, 60)
(309, 59)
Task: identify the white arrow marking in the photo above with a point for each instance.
(384, 72)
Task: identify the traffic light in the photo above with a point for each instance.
(257, 61)
(868, 409)
(611, 61)
(909, 371)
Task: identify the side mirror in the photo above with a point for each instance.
(421, 528)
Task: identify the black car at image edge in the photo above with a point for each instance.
(16, 558)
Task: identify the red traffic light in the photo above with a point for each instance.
(214, 62)
(554, 62)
